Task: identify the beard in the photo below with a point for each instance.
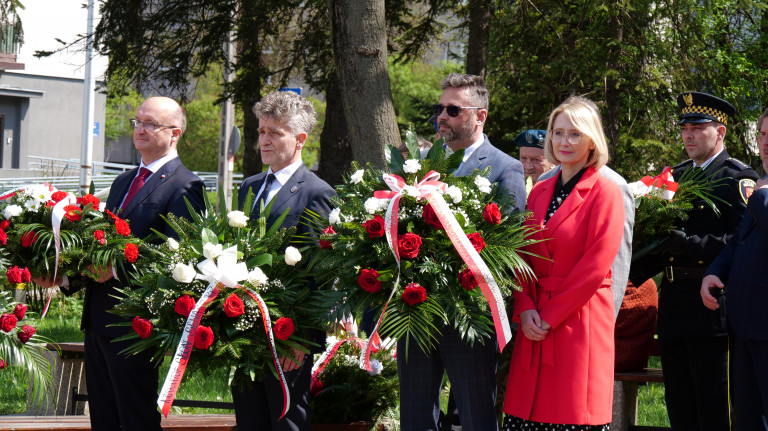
(457, 135)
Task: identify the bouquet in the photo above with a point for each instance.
(344, 393)
(423, 247)
(20, 346)
(661, 204)
(52, 232)
(225, 294)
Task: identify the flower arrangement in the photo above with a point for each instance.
(661, 204)
(342, 392)
(225, 294)
(424, 247)
(53, 232)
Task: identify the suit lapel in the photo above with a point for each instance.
(574, 200)
(475, 160)
(287, 192)
(119, 189)
(162, 175)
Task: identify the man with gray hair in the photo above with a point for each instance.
(285, 121)
(471, 369)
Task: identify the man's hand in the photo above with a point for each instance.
(100, 274)
(288, 364)
(47, 281)
(709, 283)
(533, 327)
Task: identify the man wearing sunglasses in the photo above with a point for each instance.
(461, 114)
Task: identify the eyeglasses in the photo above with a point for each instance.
(560, 134)
(451, 110)
(149, 127)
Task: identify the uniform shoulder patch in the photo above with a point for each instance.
(746, 187)
(738, 164)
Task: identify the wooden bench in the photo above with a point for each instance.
(82, 423)
(625, 388)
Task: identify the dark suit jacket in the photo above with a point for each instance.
(741, 266)
(505, 170)
(162, 194)
(304, 190)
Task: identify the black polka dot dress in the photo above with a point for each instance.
(562, 192)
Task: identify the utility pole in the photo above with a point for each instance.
(86, 146)
(229, 136)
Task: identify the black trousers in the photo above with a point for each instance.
(122, 390)
(696, 382)
(258, 405)
(750, 384)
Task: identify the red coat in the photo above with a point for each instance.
(567, 378)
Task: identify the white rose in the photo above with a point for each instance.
(173, 244)
(411, 191)
(292, 256)
(376, 367)
(331, 340)
(237, 219)
(454, 193)
(211, 251)
(335, 216)
(483, 184)
(411, 166)
(357, 176)
(257, 277)
(184, 273)
(11, 211)
(372, 205)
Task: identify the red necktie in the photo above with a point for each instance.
(138, 181)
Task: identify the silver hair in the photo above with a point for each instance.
(288, 108)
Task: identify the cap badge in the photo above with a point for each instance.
(688, 99)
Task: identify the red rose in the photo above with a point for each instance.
(414, 294)
(477, 241)
(375, 227)
(184, 305)
(89, 199)
(2, 363)
(121, 227)
(143, 327)
(26, 333)
(19, 311)
(467, 279)
(431, 217)
(98, 234)
(26, 277)
(283, 328)
(131, 252)
(58, 196)
(327, 231)
(7, 322)
(73, 212)
(4, 224)
(3, 237)
(17, 275)
(102, 241)
(315, 387)
(28, 238)
(491, 213)
(408, 245)
(203, 337)
(50, 204)
(368, 280)
(233, 306)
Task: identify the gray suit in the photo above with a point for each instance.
(620, 267)
(505, 170)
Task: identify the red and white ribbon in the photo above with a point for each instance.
(431, 190)
(663, 182)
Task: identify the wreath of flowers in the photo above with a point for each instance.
(216, 288)
(433, 286)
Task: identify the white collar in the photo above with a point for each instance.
(709, 160)
(471, 149)
(283, 175)
(157, 164)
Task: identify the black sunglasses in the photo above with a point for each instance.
(451, 110)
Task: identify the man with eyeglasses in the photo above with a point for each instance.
(122, 390)
(461, 115)
(693, 340)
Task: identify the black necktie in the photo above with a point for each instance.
(262, 199)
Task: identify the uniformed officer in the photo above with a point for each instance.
(693, 341)
(531, 143)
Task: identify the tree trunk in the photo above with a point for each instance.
(249, 86)
(612, 84)
(335, 150)
(359, 35)
(479, 29)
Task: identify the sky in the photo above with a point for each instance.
(46, 20)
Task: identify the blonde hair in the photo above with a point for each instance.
(585, 117)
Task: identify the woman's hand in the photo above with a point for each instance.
(289, 365)
(533, 327)
(47, 281)
(100, 274)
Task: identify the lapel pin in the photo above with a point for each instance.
(162, 176)
(293, 189)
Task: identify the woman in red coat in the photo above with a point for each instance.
(562, 363)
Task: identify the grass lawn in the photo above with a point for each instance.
(63, 322)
